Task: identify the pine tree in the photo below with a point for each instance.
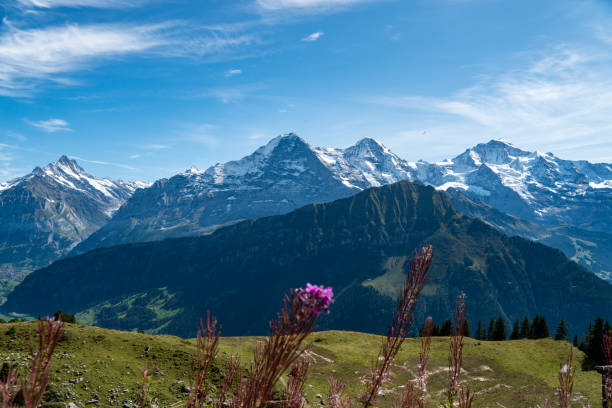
(491, 330)
(593, 342)
(500, 332)
(480, 335)
(435, 332)
(525, 328)
(467, 332)
(576, 341)
(447, 328)
(544, 331)
(516, 331)
(539, 328)
(561, 333)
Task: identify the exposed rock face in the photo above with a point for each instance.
(287, 173)
(360, 245)
(47, 212)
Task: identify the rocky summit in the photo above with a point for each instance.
(47, 212)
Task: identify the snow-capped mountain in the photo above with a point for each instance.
(287, 173)
(535, 186)
(47, 212)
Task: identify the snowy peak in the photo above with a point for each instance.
(286, 154)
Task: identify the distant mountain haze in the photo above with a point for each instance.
(360, 245)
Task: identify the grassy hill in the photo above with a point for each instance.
(106, 365)
(360, 246)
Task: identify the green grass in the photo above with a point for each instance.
(93, 363)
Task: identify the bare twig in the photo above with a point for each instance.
(294, 395)
(399, 328)
(34, 385)
(207, 343)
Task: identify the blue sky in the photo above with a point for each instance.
(142, 89)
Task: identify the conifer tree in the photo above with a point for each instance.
(561, 333)
(491, 330)
(446, 329)
(467, 332)
(576, 341)
(516, 331)
(500, 332)
(480, 334)
(525, 328)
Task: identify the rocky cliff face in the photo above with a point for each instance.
(287, 173)
(360, 245)
(47, 212)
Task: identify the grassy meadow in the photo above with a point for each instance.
(98, 367)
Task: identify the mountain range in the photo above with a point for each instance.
(360, 245)
(61, 210)
(560, 202)
(44, 214)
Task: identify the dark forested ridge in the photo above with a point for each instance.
(360, 245)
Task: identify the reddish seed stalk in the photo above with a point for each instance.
(207, 344)
(464, 396)
(335, 398)
(399, 328)
(566, 380)
(232, 372)
(34, 385)
(294, 395)
(143, 390)
(607, 351)
(277, 352)
(9, 387)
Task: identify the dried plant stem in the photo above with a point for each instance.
(335, 398)
(9, 387)
(294, 395)
(279, 351)
(232, 372)
(399, 328)
(207, 344)
(566, 380)
(33, 386)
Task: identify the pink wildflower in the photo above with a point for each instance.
(317, 298)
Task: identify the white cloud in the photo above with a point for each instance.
(134, 156)
(233, 72)
(29, 58)
(231, 95)
(104, 163)
(560, 100)
(156, 146)
(78, 3)
(51, 125)
(279, 5)
(313, 36)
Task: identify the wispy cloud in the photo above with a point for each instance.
(31, 57)
(51, 125)
(310, 5)
(134, 156)
(45, 4)
(104, 163)
(232, 94)
(313, 36)
(156, 146)
(202, 133)
(233, 72)
(561, 98)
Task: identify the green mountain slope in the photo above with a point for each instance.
(359, 245)
(591, 249)
(93, 364)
